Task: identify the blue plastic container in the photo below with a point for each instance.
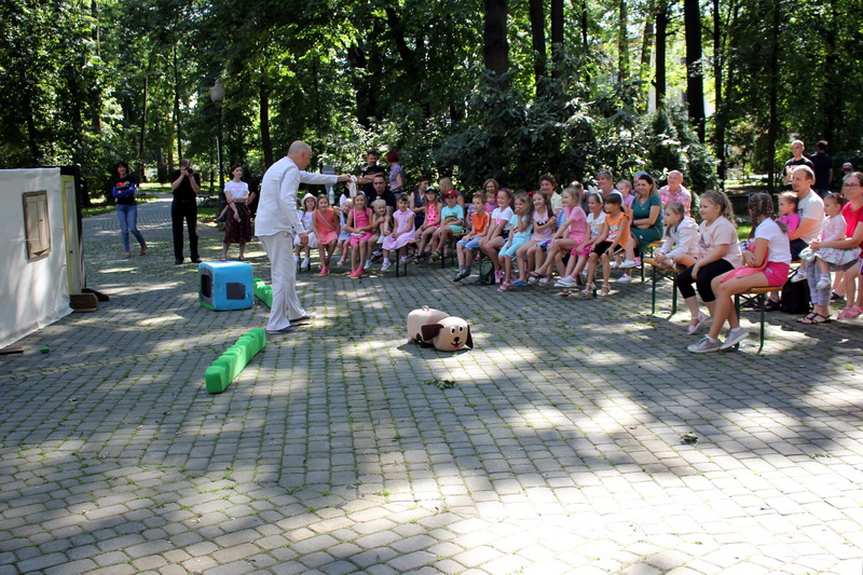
(226, 285)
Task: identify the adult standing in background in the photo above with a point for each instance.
(396, 176)
(674, 191)
(238, 220)
(367, 175)
(797, 159)
(185, 184)
(124, 186)
(822, 165)
(379, 185)
(276, 224)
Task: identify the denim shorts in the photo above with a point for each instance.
(470, 244)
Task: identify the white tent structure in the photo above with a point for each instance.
(39, 250)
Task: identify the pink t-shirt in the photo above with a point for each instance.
(542, 219)
(791, 221)
(719, 232)
(577, 224)
(853, 218)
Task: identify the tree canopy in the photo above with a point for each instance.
(473, 89)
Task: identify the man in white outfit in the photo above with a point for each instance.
(275, 225)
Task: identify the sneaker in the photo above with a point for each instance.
(694, 327)
(565, 282)
(624, 279)
(282, 331)
(404, 259)
(325, 271)
(734, 337)
(532, 280)
(798, 277)
(519, 284)
(628, 264)
(705, 345)
(385, 266)
(368, 264)
(545, 281)
(823, 282)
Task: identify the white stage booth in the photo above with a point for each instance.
(39, 250)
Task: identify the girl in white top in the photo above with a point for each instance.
(306, 239)
(832, 230)
(718, 252)
(680, 246)
(766, 262)
(498, 230)
(238, 225)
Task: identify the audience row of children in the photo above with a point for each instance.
(528, 240)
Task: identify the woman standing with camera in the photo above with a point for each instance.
(185, 184)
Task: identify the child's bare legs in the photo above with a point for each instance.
(443, 239)
(425, 236)
(523, 255)
(357, 256)
(460, 255)
(542, 269)
(578, 264)
(506, 262)
(242, 250)
(225, 247)
(538, 257)
(591, 270)
(490, 248)
(322, 252)
(606, 271)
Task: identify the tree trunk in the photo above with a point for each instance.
(264, 113)
(537, 34)
(832, 94)
(773, 127)
(557, 38)
(622, 45)
(647, 42)
(177, 106)
(585, 22)
(661, 35)
(359, 64)
(96, 94)
(719, 135)
(143, 132)
(495, 43)
(694, 67)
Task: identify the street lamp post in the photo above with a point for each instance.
(217, 95)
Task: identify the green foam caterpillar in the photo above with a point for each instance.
(228, 366)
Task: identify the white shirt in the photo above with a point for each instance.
(277, 209)
(811, 208)
(778, 246)
(236, 190)
(681, 240)
(595, 223)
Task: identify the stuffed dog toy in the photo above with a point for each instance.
(432, 327)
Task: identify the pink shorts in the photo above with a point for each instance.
(355, 240)
(585, 251)
(775, 272)
(327, 238)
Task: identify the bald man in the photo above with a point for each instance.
(675, 192)
(276, 223)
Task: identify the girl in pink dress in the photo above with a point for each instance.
(326, 226)
(402, 235)
(430, 224)
(360, 227)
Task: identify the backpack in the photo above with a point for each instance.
(795, 298)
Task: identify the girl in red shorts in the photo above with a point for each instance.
(765, 264)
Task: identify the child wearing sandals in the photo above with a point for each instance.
(360, 225)
(532, 253)
(765, 264)
(452, 223)
(306, 240)
(832, 231)
(570, 233)
(402, 235)
(579, 254)
(479, 224)
(381, 228)
(498, 231)
(431, 223)
(521, 229)
(326, 227)
(614, 235)
(346, 204)
(679, 248)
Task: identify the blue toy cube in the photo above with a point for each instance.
(226, 285)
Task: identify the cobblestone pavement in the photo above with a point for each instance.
(558, 450)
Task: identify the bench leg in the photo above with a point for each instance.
(653, 290)
(761, 305)
(674, 294)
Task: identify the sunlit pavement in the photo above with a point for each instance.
(558, 449)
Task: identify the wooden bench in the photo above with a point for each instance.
(648, 254)
(759, 297)
(656, 274)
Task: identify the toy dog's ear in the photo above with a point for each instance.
(430, 331)
(469, 341)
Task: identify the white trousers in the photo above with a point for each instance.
(283, 272)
